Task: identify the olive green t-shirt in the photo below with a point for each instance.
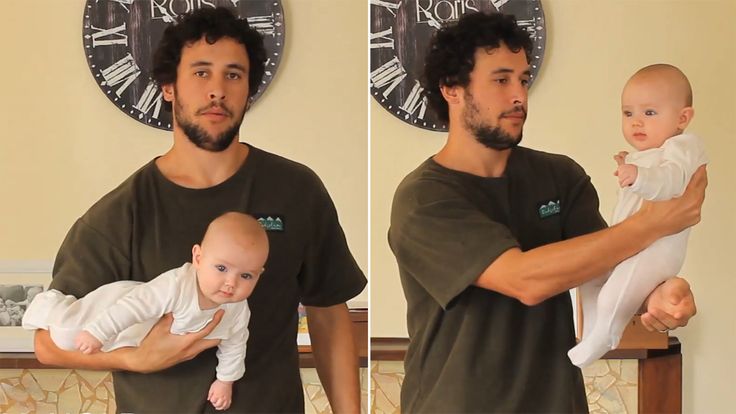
(471, 349)
(149, 224)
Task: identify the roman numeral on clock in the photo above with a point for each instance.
(415, 101)
(123, 3)
(382, 39)
(499, 3)
(390, 73)
(107, 37)
(387, 4)
(123, 71)
(264, 24)
(150, 100)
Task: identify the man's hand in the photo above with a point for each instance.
(669, 306)
(673, 216)
(161, 349)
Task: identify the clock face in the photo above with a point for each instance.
(400, 34)
(120, 37)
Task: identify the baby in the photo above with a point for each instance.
(222, 275)
(656, 106)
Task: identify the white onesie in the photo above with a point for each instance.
(120, 314)
(609, 302)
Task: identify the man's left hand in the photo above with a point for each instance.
(669, 306)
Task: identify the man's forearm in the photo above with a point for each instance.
(540, 273)
(48, 353)
(335, 355)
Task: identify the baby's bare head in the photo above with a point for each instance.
(668, 79)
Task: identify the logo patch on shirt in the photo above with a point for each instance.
(550, 208)
(271, 222)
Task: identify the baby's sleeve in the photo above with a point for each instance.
(147, 301)
(682, 155)
(231, 351)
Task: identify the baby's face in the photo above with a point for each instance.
(651, 112)
(228, 272)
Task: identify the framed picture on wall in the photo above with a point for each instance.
(20, 282)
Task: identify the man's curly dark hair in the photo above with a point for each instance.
(451, 54)
(212, 24)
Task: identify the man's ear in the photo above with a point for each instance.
(686, 115)
(451, 94)
(168, 92)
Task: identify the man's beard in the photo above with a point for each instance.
(201, 138)
(490, 136)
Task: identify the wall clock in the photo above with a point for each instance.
(400, 34)
(120, 37)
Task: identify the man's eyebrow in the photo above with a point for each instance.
(509, 70)
(229, 65)
(237, 66)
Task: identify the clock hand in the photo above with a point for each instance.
(431, 21)
(167, 16)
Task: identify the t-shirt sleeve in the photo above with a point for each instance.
(329, 273)
(442, 241)
(88, 259)
(581, 210)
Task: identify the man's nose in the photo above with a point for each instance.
(519, 95)
(217, 90)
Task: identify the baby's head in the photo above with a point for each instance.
(656, 104)
(230, 259)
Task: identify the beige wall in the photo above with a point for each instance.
(592, 48)
(64, 144)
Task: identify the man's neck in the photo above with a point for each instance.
(462, 152)
(189, 166)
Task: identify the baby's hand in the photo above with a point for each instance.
(626, 173)
(221, 394)
(620, 158)
(86, 343)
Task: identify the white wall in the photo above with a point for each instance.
(63, 144)
(592, 48)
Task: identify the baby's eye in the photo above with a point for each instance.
(220, 268)
(627, 113)
(650, 112)
(247, 276)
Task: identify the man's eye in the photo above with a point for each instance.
(200, 74)
(502, 81)
(525, 82)
(233, 76)
(221, 268)
(247, 276)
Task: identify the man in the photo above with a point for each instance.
(208, 66)
(485, 270)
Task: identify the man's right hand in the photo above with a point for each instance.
(161, 349)
(673, 216)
